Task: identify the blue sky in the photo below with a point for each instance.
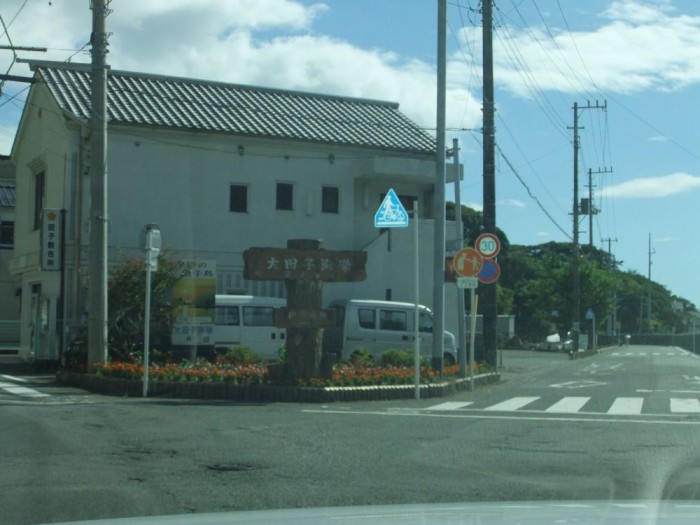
(641, 57)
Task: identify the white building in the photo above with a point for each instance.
(220, 168)
(9, 284)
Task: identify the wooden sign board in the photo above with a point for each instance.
(290, 264)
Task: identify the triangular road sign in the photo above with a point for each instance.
(391, 213)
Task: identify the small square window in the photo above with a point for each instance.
(329, 199)
(285, 196)
(7, 234)
(238, 198)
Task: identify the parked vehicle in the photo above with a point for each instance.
(240, 320)
(377, 326)
(551, 344)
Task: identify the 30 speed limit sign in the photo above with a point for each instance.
(488, 245)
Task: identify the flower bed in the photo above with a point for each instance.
(251, 382)
(344, 374)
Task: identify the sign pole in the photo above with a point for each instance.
(147, 325)
(151, 240)
(472, 336)
(416, 314)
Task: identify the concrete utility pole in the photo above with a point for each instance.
(614, 329)
(651, 252)
(441, 153)
(576, 322)
(591, 210)
(97, 297)
(461, 319)
(488, 292)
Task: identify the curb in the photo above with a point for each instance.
(265, 393)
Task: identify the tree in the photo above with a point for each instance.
(127, 289)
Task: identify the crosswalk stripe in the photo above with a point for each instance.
(451, 405)
(512, 404)
(684, 405)
(568, 405)
(627, 406)
(21, 390)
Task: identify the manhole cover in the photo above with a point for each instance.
(230, 467)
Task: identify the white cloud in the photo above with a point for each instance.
(232, 42)
(515, 203)
(654, 48)
(653, 187)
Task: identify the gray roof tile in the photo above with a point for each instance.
(181, 103)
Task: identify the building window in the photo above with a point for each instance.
(7, 234)
(39, 197)
(285, 196)
(329, 199)
(238, 198)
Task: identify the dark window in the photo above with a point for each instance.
(238, 198)
(39, 187)
(285, 196)
(7, 234)
(393, 320)
(228, 315)
(258, 316)
(366, 318)
(425, 322)
(329, 199)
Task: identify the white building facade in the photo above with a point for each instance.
(219, 168)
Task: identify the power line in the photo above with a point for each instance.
(532, 195)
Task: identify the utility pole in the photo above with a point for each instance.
(589, 207)
(488, 292)
(651, 252)
(440, 181)
(576, 323)
(97, 297)
(614, 329)
(461, 328)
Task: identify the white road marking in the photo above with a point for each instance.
(21, 390)
(627, 406)
(568, 405)
(685, 405)
(450, 405)
(13, 378)
(511, 404)
(467, 414)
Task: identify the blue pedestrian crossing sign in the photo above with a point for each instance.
(391, 213)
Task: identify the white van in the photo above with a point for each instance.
(241, 320)
(377, 326)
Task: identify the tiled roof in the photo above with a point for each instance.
(181, 103)
(7, 196)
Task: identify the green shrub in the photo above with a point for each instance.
(362, 356)
(400, 358)
(242, 355)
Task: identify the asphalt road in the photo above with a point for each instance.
(620, 425)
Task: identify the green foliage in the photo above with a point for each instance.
(540, 282)
(241, 355)
(400, 358)
(127, 296)
(362, 356)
